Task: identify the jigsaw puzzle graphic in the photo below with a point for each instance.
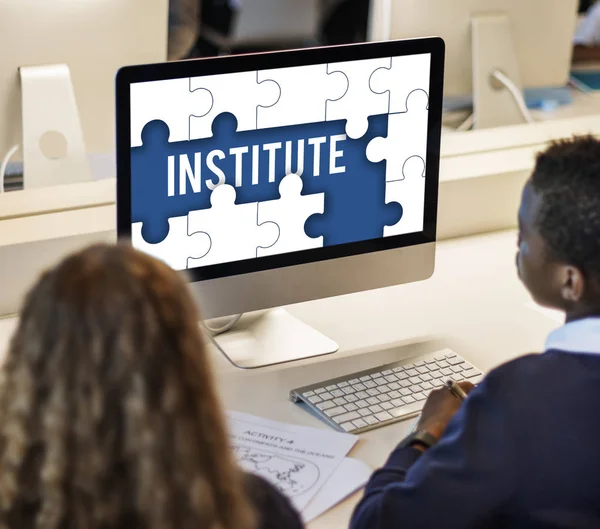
(237, 166)
(234, 231)
(407, 137)
(290, 213)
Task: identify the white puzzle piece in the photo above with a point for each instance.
(305, 91)
(410, 194)
(407, 137)
(359, 102)
(290, 213)
(238, 93)
(171, 101)
(232, 228)
(406, 74)
(177, 247)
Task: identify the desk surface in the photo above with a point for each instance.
(474, 304)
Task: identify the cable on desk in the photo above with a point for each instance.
(516, 94)
(224, 328)
(5, 161)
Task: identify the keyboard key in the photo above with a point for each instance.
(348, 426)
(383, 416)
(365, 378)
(447, 372)
(309, 394)
(450, 355)
(383, 398)
(351, 398)
(349, 390)
(315, 399)
(371, 420)
(406, 383)
(391, 378)
(373, 400)
(360, 423)
(326, 405)
(412, 372)
(362, 395)
(407, 410)
(387, 405)
(364, 412)
(456, 369)
(373, 392)
(430, 361)
(403, 375)
(394, 386)
(351, 407)
(376, 409)
(435, 374)
(426, 377)
(332, 412)
(422, 370)
(350, 416)
(370, 384)
(455, 361)
(319, 391)
(470, 373)
(419, 396)
(427, 386)
(353, 381)
(384, 388)
(362, 403)
(337, 393)
(387, 372)
(340, 401)
(415, 381)
(440, 357)
(398, 369)
(379, 381)
(359, 387)
(326, 396)
(405, 392)
(408, 400)
(443, 363)
(394, 394)
(331, 388)
(343, 384)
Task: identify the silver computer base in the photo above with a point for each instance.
(271, 337)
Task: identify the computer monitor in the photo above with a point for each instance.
(279, 178)
(59, 42)
(528, 41)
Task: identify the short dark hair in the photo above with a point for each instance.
(567, 180)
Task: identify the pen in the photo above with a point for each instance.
(456, 390)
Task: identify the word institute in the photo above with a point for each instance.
(251, 163)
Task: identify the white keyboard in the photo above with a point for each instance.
(384, 395)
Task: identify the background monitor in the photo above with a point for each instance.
(94, 39)
(279, 178)
(530, 41)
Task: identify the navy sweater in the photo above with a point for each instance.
(522, 452)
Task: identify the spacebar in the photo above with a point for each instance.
(408, 409)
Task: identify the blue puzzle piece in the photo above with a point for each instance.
(355, 208)
(254, 162)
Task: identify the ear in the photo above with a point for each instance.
(573, 284)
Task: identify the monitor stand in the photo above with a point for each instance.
(493, 50)
(271, 337)
(53, 147)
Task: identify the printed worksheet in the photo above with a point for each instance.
(297, 460)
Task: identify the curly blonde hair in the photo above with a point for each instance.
(109, 416)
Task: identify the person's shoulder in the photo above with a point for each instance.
(274, 510)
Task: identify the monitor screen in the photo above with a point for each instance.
(246, 165)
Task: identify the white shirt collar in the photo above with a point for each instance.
(579, 336)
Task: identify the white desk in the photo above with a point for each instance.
(474, 303)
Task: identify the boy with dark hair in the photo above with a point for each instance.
(522, 451)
